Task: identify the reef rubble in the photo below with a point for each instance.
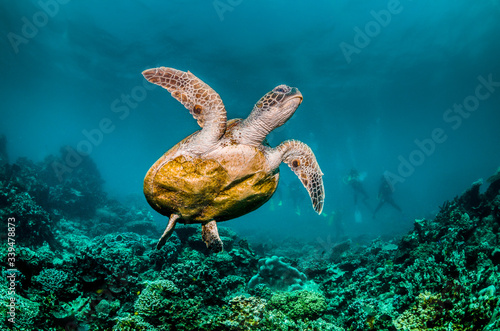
(442, 275)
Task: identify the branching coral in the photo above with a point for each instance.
(154, 299)
(299, 304)
(246, 312)
(421, 315)
(52, 280)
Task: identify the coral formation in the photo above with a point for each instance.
(75, 275)
(52, 279)
(299, 304)
(277, 274)
(246, 312)
(154, 300)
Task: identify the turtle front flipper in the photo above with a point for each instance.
(300, 158)
(210, 236)
(168, 231)
(200, 99)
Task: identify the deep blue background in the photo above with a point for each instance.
(364, 110)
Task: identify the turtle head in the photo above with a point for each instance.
(277, 106)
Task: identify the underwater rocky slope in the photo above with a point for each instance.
(84, 261)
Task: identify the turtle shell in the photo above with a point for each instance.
(226, 183)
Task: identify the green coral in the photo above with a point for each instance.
(133, 323)
(77, 309)
(27, 312)
(106, 308)
(278, 275)
(299, 304)
(160, 303)
(33, 221)
(156, 298)
(425, 310)
(280, 321)
(246, 312)
(52, 280)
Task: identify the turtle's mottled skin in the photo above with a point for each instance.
(224, 170)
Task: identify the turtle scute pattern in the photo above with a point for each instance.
(192, 180)
(201, 189)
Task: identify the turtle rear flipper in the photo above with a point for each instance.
(210, 236)
(168, 231)
(201, 100)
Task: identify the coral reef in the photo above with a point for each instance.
(246, 312)
(52, 280)
(32, 220)
(299, 304)
(99, 269)
(278, 275)
(431, 280)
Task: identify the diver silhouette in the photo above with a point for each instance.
(354, 179)
(385, 195)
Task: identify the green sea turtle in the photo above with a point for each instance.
(226, 169)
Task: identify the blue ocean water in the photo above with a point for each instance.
(406, 88)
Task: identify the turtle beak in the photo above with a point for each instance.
(299, 97)
(295, 93)
(293, 101)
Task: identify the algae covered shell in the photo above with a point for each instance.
(206, 188)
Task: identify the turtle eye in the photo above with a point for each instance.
(281, 89)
